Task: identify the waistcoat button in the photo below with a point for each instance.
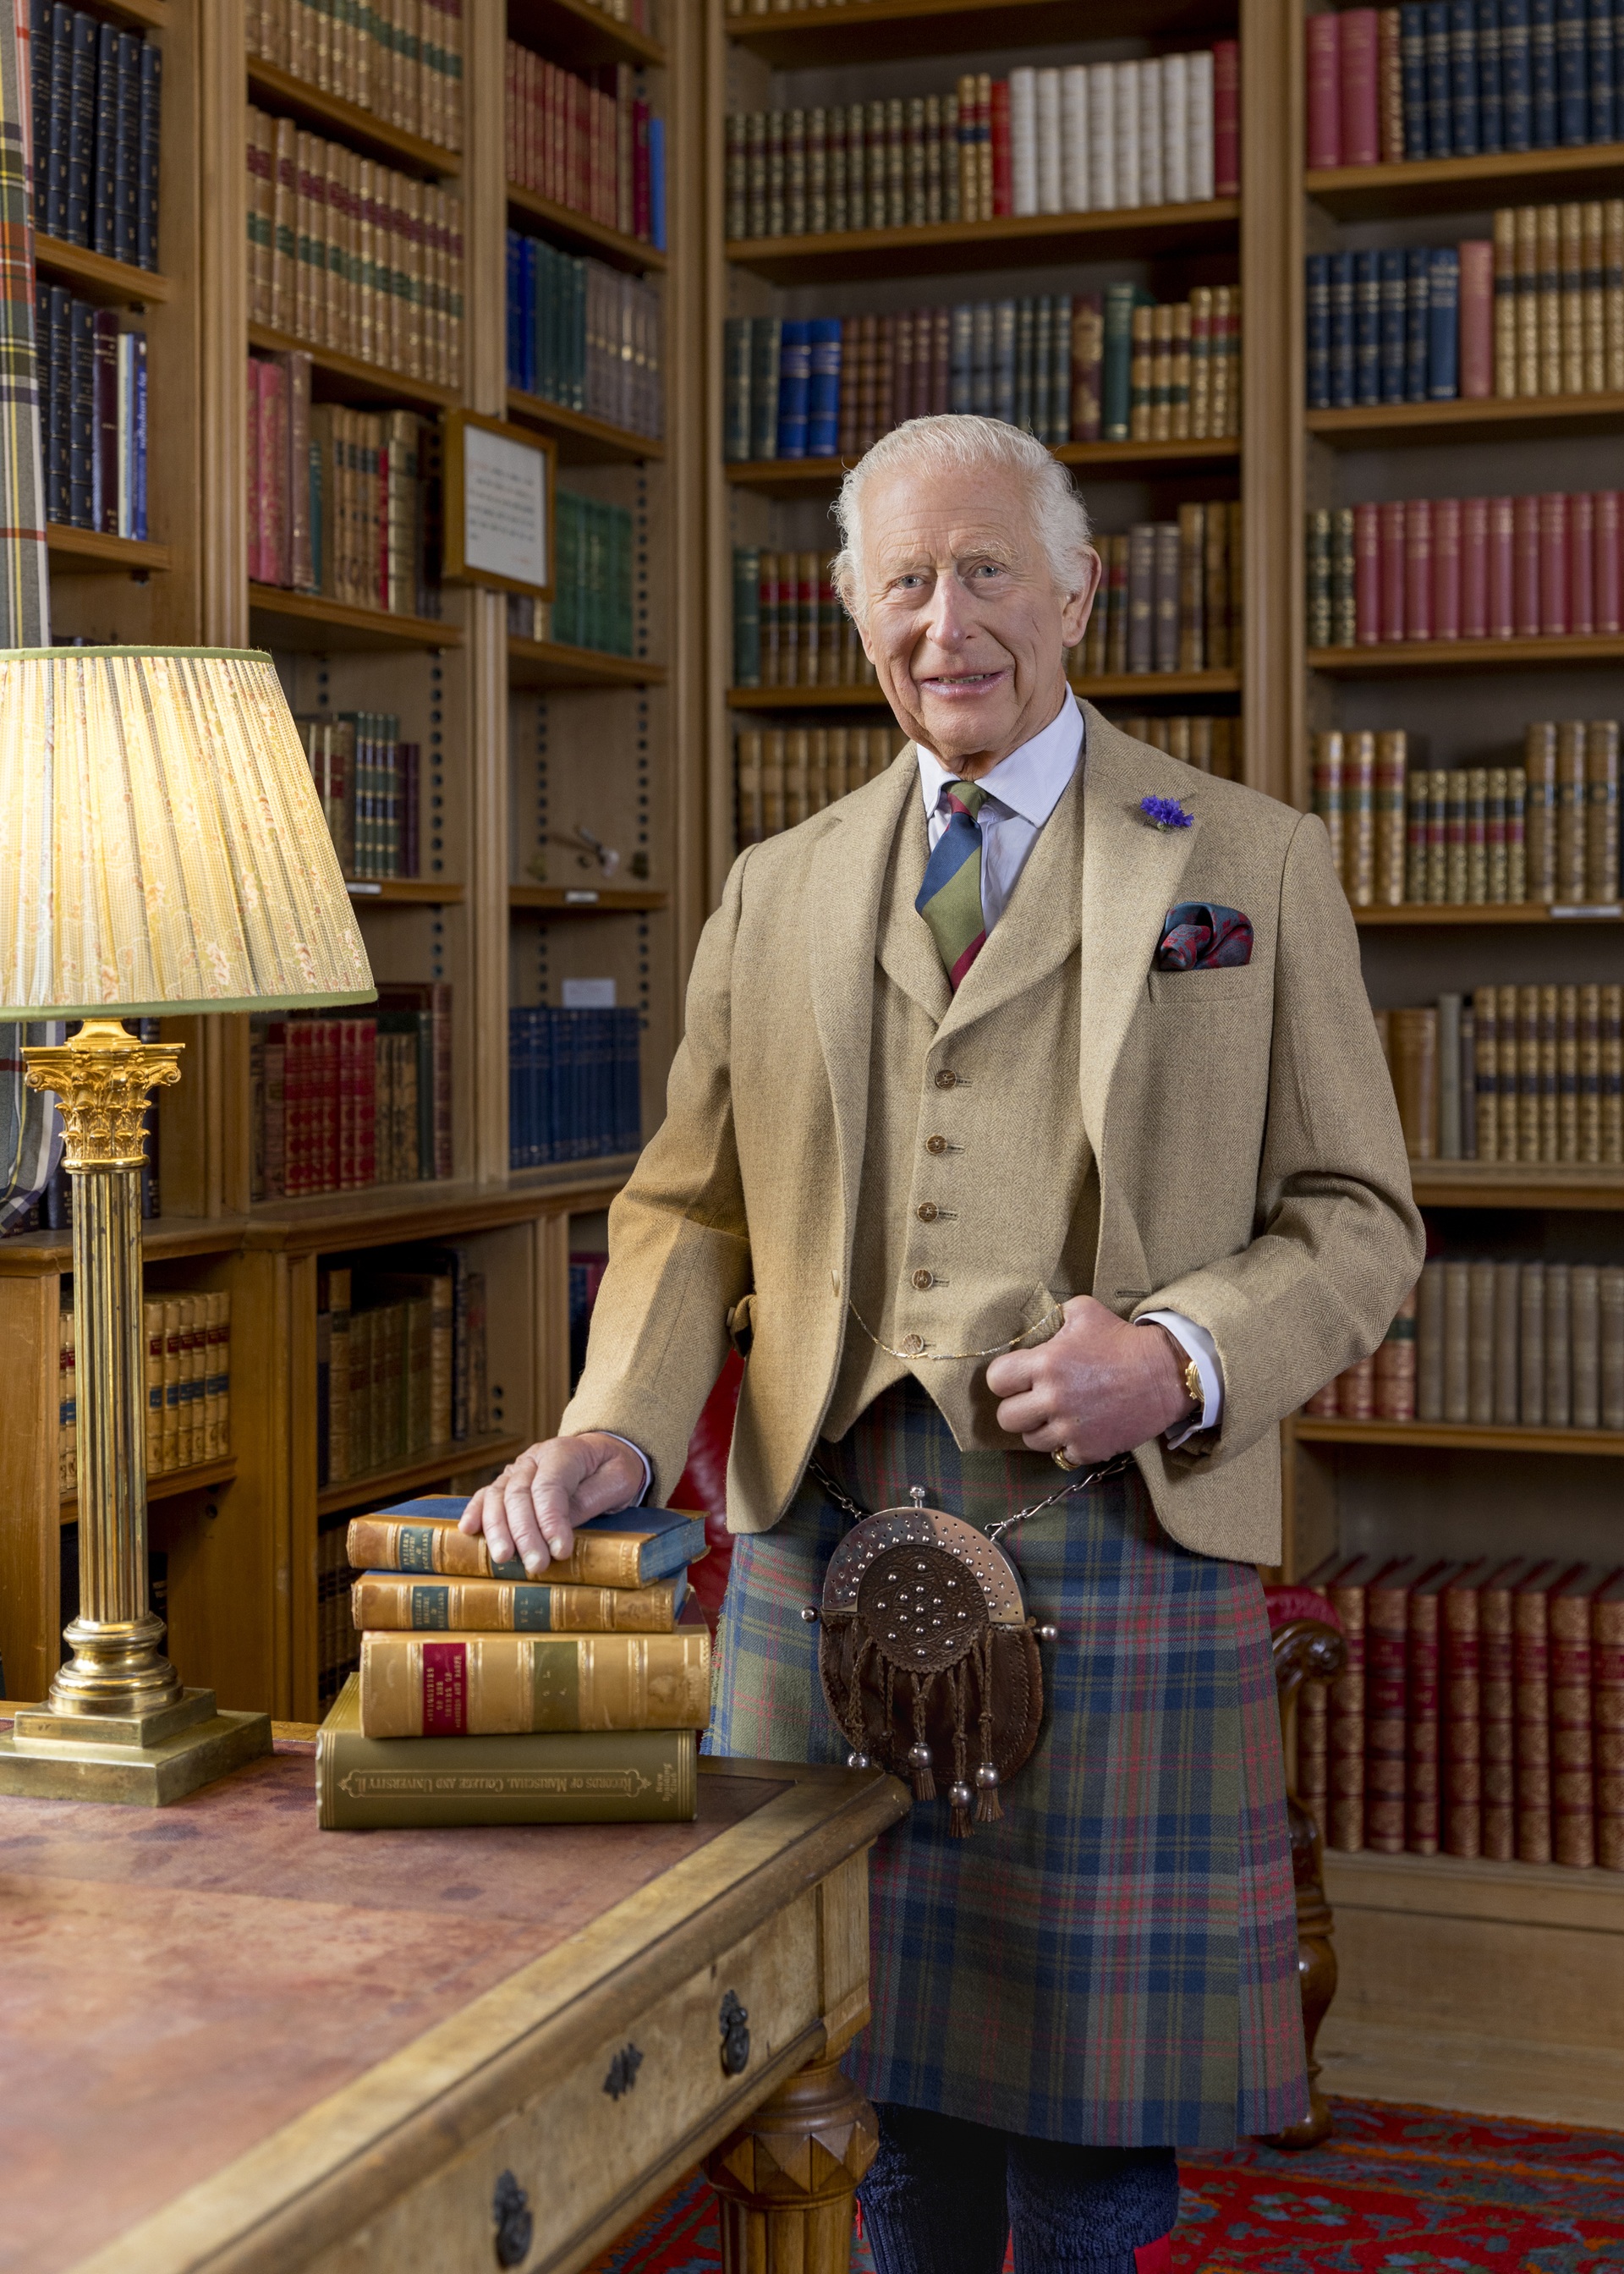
(946, 1079)
(926, 1211)
(923, 1278)
(935, 1144)
(912, 1344)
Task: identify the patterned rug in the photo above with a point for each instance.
(1393, 2191)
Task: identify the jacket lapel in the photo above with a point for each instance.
(906, 947)
(1132, 873)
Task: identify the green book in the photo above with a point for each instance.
(612, 1776)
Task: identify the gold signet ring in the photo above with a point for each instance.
(1061, 1462)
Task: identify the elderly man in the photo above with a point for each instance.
(1030, 1112)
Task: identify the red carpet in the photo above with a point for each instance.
(1393, 2191)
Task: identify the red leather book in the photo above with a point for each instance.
(1530, 1617)
(1553, 614)
(1607, 1720)
(902, 368)
(1498, 1701)
(1390, 546)
(1422, 1715)
(941, 367)
(1003, 173)
(327, 1092)
(1446, 568)
(1581, 562)
(295, 1107)
(1227, 118)
(366, 1131)
(1525, 567)
(345, 1165)
(1367, 574)
(1418, 568)
(1344, 1580)
(1386, 1619)
(1609, 567)
(1356, 1390)
(1474, 567)
(1572, 1786)
(1502, 568)
(1360, 117)
(1323, 35)
(1460, 1713)
(1476, 317)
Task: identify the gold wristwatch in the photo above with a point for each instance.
(1193, 1390)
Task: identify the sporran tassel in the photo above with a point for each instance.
(989, 1808)
(920, 1766)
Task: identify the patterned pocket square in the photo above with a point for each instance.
(1197, 937)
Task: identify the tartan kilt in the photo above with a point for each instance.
(1114, 1963)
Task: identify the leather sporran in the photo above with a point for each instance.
(929, 1661)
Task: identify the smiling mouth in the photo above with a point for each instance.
(961, 682)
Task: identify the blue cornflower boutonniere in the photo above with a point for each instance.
(1166, 813)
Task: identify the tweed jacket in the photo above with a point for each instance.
(1251, 1170)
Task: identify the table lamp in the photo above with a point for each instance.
(162, 852)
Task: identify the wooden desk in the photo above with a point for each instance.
(229, 2041)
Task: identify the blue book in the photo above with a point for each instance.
(657, 183)
(1603, 71)
(137, 434)
(1491, 125)
(56, 201)
(631, 1549)
(1573, 107)
(39, 65)
(1366, 328)
(823, 393)
(1440, 80)
(81, 412)
(1515, 86)
(1391, 265)
(147, 151)
(1342, 331)
(1464, 131)
(794, 386)
(1316, 355)
(516, 358)
(127, 150)
(1542, 74)
(766, 357)
(1412, 70)
(1443, 324)
(1417, 323)
(81, 131)
(57, 473)
(960, 365)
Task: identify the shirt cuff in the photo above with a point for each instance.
(1195, 1342)
(647, 1467)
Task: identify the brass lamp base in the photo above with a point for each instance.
(142, 1762)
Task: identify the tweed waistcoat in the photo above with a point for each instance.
(941, 1255)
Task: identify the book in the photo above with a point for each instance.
(620, 1776)
(631, 1549)
(410, 78)
(391, 1600)
(95, 101)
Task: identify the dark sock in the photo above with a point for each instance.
(1086, 2210)
(933, 2201)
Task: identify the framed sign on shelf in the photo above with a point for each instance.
(499, 505)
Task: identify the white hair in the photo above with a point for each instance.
(958, 443)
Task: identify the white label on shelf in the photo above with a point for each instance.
(581, 898)
(505, 506)
(355, 891)
(1590, 908)
(588, 994)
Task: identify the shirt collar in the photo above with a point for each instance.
(1031, 780)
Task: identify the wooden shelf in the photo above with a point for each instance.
(37, 1254)
(172, 1483)
(574, 31)
(541, 664)
(1153, 685)
(330, 113)
(1515, 1184)
(403, 892)
(401, 1478)
(1015, 240)
(593, 1181)
(114, 283)
(347, 378)
(380, 1215)
(1392, 659)
(1488, 418)
(794, 476)
(89, 552)
(153, 15)
(1393, 192)
(581, 231)
(1424, 914)
(1458, 1436)
(582, 441)
(877, 31)
(310, 621)
(586, 899)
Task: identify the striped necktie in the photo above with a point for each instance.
(950, 899)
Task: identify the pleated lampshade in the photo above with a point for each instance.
(163, 849)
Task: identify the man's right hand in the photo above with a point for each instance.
(533, 1507)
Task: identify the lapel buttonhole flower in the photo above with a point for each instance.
(1165, 813)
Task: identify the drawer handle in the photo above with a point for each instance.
(514, 2226)
(623, 2071)
(733, 2021)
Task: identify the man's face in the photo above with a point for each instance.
(965, 628)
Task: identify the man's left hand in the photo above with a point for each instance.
(1098, 1387)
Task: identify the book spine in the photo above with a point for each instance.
(594, 1777)
(1385, 1734)
(1422, 1810)
(1531, 1679)
(492, 1684)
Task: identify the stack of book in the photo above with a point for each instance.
(574, 1084)
(1533, 1075)
(1110, 366)
(1533, 1345)
(93, 415)
(1476, 568)
(368, 782)
(594, 144)
(1213, 746)
(350, 255)
(187, 1340)
(338, 1103)
(403, 63)
(97, 93)
(584, 336)
(789, 627)
(784, 777)
(1481, 1713)
(400, 1359)
(592, 605)
(1085, 139)
(1439, 80)
(487, 1697)
(1169, 597)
